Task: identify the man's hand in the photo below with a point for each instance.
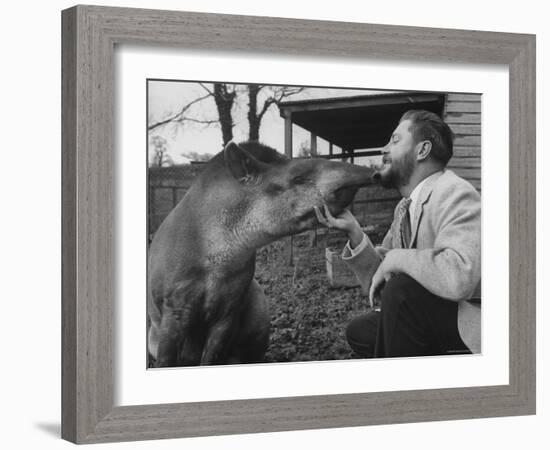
(345, 221)
(382, 275)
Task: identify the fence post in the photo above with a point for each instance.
(289, 241)
(174, 196)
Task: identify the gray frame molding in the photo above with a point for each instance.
(89, 34)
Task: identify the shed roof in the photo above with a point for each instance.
(358, 122)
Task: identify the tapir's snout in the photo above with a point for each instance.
(346, 175)
(360, 175)
(343, 182)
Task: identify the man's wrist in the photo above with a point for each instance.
(391, 260)
(355, 237)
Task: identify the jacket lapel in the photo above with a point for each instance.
(423, 198)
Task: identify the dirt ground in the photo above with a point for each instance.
(308, 317)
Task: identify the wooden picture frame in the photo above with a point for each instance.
(89, 35)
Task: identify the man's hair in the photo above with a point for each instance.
(428, 126)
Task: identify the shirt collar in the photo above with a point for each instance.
(418, 188)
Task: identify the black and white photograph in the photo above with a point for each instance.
(302, 223)
(264, 225)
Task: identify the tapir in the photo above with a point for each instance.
(203, 304)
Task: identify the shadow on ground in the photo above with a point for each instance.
(53, 429)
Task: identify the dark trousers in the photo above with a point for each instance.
(412, 322)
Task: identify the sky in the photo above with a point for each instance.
(166, 98)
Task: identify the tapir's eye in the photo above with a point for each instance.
(274, 189)
(299, 180)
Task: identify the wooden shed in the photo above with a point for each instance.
(358, 126)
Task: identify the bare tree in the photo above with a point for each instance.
(304, 150)
(226, 96)
(160, 157)
(196, 156)
(275, 94)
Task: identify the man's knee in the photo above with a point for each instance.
(361, 333)
(399, 289)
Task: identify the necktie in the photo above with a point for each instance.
(402, 234)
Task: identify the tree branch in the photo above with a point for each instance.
(191, 119)
(287, 92)
(277, 96)
(177, 117)
(267, 103)
(206, 89)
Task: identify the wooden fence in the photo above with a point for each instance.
(166, 187)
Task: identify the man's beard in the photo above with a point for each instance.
(399, 172)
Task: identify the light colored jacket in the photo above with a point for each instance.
(445, 250)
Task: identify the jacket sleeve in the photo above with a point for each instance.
(452, 268)
(364, 262)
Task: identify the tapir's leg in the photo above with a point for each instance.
(171, 335)
(241, 339)
(153, 322)
(253, 336)
(191, 350)
(172, 315)
(218, 341)
(153, 341)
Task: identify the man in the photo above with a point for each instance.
(428, 268)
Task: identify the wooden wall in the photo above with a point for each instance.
(463, 114)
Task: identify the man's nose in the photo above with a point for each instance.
(384, 149)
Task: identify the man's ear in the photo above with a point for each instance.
(242, 165)
(424, 149)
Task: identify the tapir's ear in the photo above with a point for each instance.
(242, 164)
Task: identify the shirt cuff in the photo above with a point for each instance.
(351, 252)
